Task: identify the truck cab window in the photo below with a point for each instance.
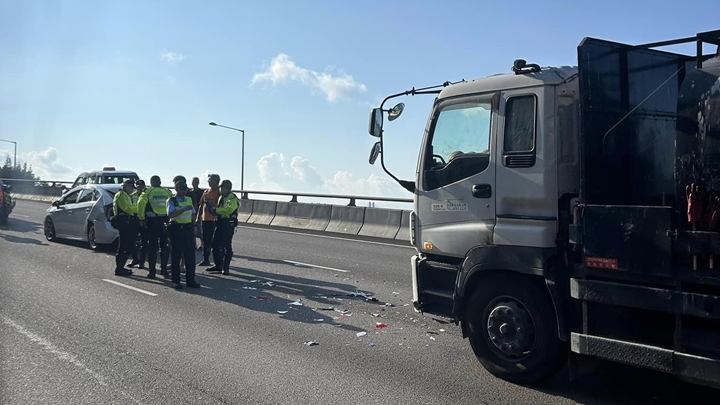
(460, 143)
(519, 135)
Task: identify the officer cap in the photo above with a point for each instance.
(129, 183)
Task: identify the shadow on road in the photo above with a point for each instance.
(18, 239)
(249, 289)
(20, 225)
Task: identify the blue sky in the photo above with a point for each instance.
(135, 83)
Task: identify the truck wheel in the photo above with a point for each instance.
(513, 330)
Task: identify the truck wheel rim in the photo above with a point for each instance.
(510, 329)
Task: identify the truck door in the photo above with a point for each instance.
(526, 172)
(455, 205)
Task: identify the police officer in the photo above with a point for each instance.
(181, 230)
(152, 212)
(124, 213)
(226, 213)
(139, 253)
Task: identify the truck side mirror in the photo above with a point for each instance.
(376, 122)
(396, 112)
(374, 153)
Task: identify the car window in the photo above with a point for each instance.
(70, 198)
(118, 178)
(86, 196)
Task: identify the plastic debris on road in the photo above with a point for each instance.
(269, 284)
(249, 288)
(381, 325)
(361, 334)
(282, 312)
(442, 330)
(311, 343)
(318, 320)
(296, 303)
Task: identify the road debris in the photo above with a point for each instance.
(361, 334)
(296, 303)
(249, 288)
(311, 343)
(381, 325)
(282, 312)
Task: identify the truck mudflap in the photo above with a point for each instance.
(698, 369)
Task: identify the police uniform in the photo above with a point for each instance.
(182, 237)
(124, 215)
(226, 213)
(152, 208)
(139, 253)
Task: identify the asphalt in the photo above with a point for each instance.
(69, 336)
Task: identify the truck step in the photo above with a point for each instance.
(698, 369)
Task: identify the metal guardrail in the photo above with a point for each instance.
(244, 193)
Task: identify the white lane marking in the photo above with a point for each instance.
(329, 237)
(62, 355)
(130, 287)
(316, 266)
(20, 216)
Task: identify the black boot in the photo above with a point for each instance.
(120, 269)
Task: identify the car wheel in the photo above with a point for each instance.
(513, 330)
(91, 237)
(49, 229)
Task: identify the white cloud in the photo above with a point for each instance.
(335, 87)
(171, 57)
(276, 174)
(46, 164)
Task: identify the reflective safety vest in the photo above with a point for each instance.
(185, 217)
(122, 204)
(153, 202)
(134, 197)
(227, 207)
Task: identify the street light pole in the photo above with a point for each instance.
(242, 153)
(15, 157)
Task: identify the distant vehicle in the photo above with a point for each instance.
(83, 214)
(108, 175)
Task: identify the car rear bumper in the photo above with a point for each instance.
(104, 232)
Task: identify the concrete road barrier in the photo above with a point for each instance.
(292, 215)
(404, 232)
(381, 223)
(346, 219)
(320, 217)
(263, 212)
(245, 210)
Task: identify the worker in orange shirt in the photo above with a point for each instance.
(212, 195)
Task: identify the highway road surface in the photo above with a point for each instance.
(73, 333)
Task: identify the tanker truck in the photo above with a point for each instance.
(570, 213)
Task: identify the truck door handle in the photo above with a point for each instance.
(482, 191)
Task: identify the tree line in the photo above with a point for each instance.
(20, 172)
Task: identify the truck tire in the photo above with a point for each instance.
(513, 330)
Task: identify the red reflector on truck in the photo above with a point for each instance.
(601, 263)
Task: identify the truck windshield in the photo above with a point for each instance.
(462, 128)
